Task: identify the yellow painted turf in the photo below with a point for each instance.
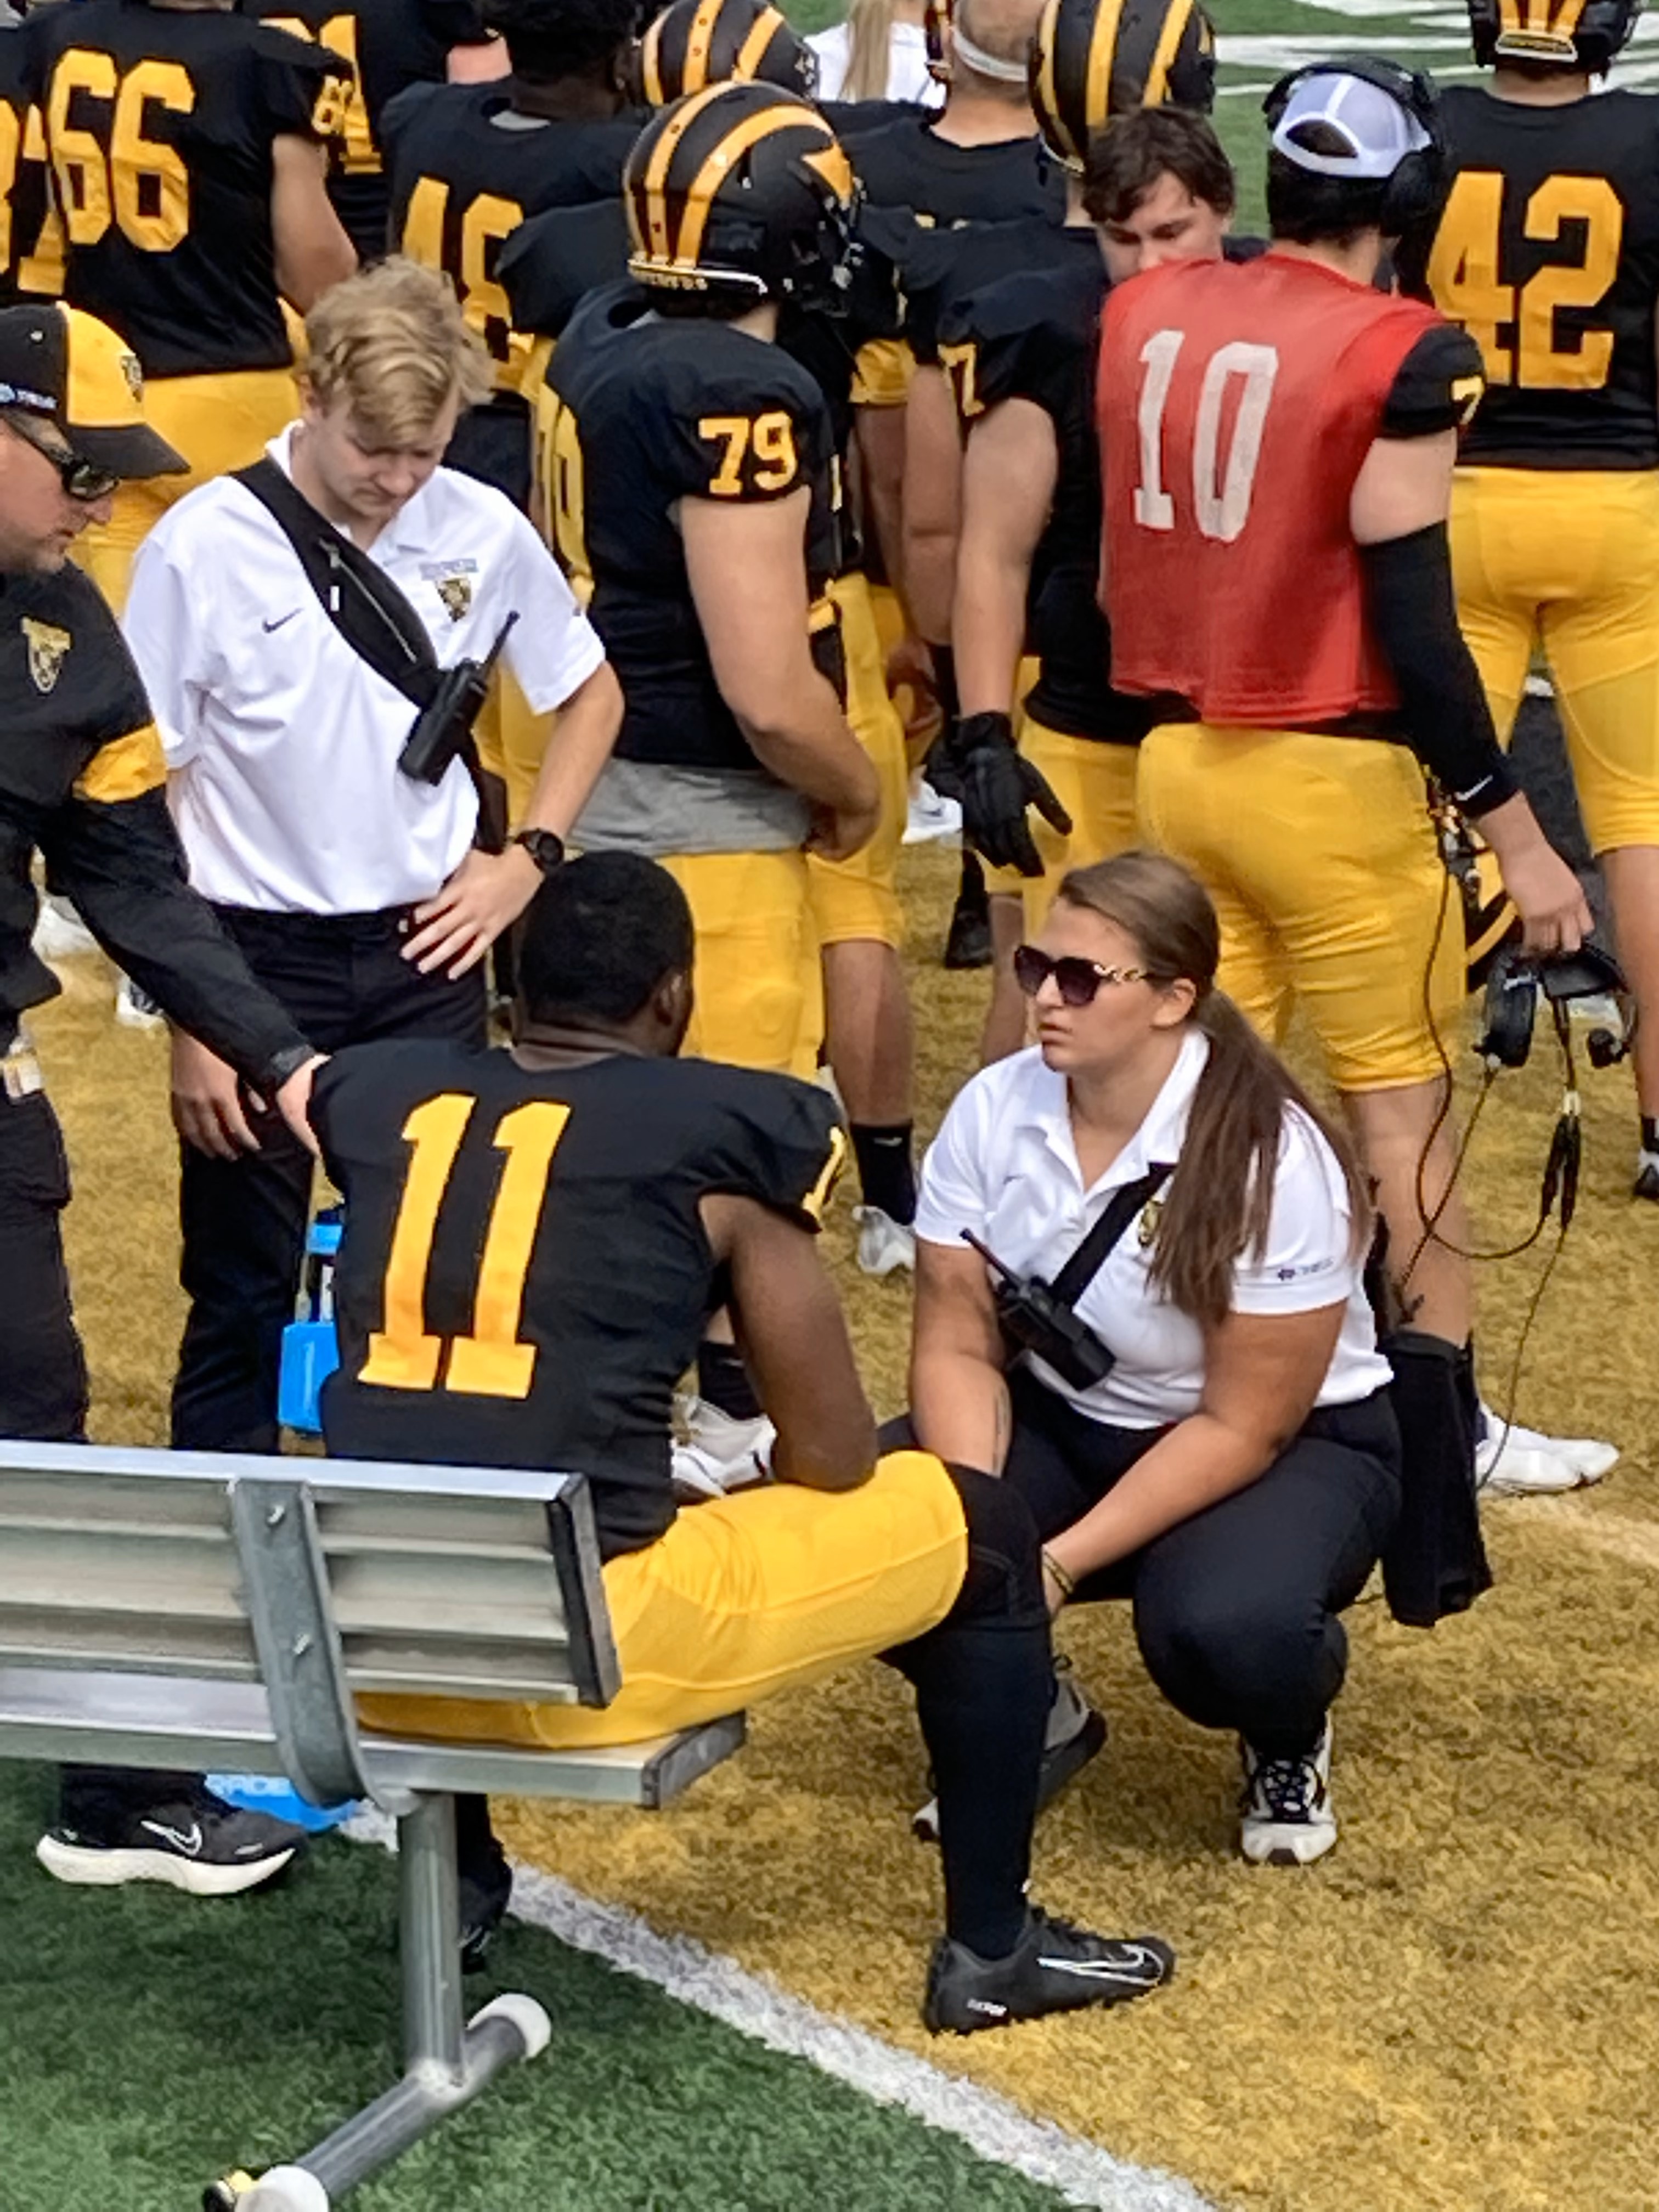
(1454, 2013)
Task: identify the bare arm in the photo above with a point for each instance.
(748, 573)
(932, 503)
(312, 250)
(479, 62)
(880, 432)
(1008, 479)
(958, 1398)
(790, 1327)
(1262, 1373)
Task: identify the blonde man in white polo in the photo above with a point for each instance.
(354, 888)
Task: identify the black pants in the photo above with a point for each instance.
(43, 1370)
(343, 979)
(1236, 1610)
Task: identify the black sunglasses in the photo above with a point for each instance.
(83, 480)
(1077, 980)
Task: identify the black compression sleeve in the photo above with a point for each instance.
(1414, 615)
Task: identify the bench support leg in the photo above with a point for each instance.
(445, 2061)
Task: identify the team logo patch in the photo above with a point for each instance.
(133, 374)
(1150, 1214)
(455, 583)
(48, 649)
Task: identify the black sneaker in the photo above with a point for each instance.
(1647, 1177)
(198, 1844)
(1054, 1968)
(486, 1886)
(1076, 1733)
(967, 945)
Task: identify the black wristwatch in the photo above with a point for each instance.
(544, 847)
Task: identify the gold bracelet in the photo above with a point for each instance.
(1067, 1585)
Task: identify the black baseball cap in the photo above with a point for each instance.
(64, 364)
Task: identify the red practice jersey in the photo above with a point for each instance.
(1238, 402)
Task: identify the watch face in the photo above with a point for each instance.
(544, 847)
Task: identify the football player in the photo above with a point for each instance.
(384, 45)
(1278, 439)
(697, 43)
(187, 147)
(1019, 353)
(1547, 254)
(469, 162)
(32, 241)
(630, 1171)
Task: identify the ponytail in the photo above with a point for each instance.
(870, 49)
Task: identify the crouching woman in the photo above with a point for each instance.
(1221, 1449)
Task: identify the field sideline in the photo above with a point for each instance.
(1452, 2014)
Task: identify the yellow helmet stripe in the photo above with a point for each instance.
(698, 40)
(1169, 44)
(752, 53)
(1103, 47)
(656, 243)
(1048, 98)
(731, 150)
(651, 65)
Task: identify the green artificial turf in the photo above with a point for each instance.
(150, 2042)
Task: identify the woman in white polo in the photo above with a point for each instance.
(1235, 1473)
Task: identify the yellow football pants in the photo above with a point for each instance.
(1569, 559)
(757, 1000)
(857, 901)
(216, 423)
(1096, 784)
(1321, 858)
(767, 1590)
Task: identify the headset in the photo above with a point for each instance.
(1415, 191)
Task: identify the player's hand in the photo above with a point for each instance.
(1555, 915)
(486, 895)
(838, 832)
(207, 1101)
(910, 670)
(996, 785)
(293, 1102)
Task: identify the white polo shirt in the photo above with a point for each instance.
(281, 742)
(1004, 1166)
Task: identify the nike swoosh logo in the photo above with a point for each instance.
(188, 1840)
(1104, 1970)
(279, 620)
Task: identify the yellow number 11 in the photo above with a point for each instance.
(491, 1362)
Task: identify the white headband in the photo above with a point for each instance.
(984, 64)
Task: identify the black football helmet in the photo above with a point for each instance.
(1575, 35)
(697, 43)
(1093, 59)
(743, 192)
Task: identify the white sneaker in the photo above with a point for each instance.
(1287, 1806)
(883, 1243)
(931, 817)
(719, 1454)
(59, 931)
(1516, 1461)
(136, 1009)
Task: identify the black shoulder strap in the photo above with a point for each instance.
(361, 601)
(1092, 1254)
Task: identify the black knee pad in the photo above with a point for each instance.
(1004, 1582)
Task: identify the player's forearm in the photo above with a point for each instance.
(576, 752)
(988, 623)
(802, 737)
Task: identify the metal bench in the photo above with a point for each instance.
(211, 1611)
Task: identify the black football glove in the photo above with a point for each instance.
(996, 785)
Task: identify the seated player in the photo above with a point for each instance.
(491, 1312)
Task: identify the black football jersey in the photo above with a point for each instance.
(385, 44)
(1035, 337)
(1548, 255)
(466, 170)
(649, 409)
(907, 164)
(553, 261)
(160, 124)
(524, 1276)
(31, 235)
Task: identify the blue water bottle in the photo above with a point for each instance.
(311, 1349)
